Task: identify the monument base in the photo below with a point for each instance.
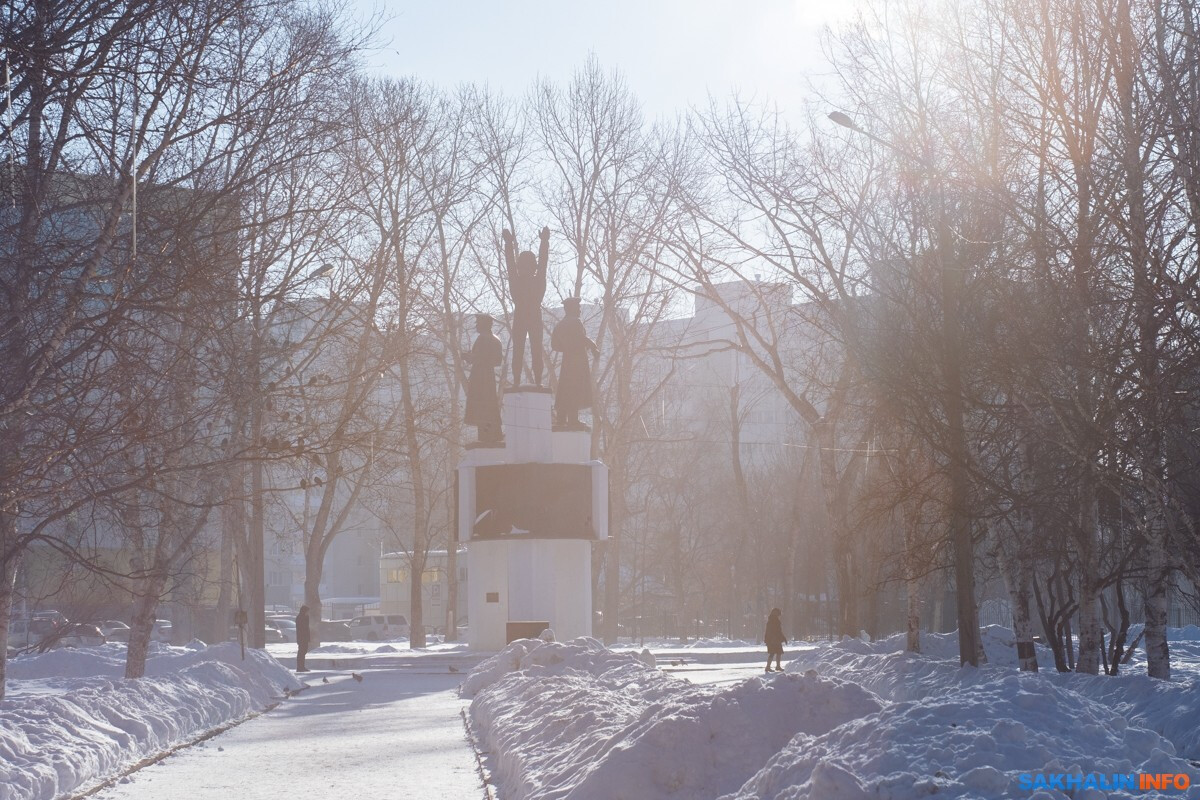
(536, 579)
(518, 582)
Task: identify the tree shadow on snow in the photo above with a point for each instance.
(378, 688)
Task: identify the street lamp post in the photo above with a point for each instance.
(951, 340)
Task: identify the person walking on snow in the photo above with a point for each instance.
(301, 638)
(774, 639)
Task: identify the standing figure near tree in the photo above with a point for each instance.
(527, 285)
(483, 406)
(302, 638)
(774, 639)
(575, 377)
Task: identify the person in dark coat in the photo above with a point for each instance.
(527, 287)
(774, 638)
(575, 377)
(483, 405)
(302, 638)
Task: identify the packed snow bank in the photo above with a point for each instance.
(576, 720)
(71, 719)
(852, 719)
(524, 654)
(965, 742)
(1169, 707)
(964, 732)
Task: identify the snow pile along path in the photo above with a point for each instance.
(971, 742)
(963, 732)
(853, 719)
(72, 720)
(576, 720)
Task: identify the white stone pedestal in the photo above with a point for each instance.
(528, 581)
(572, 447)
(522, 579)
(526, 418)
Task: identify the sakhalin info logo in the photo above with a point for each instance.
(1129, 781)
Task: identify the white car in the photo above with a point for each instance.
(114, 630)
(80, 634)
(286, 626)
(374, 627)
(25, 633)
(161, 632)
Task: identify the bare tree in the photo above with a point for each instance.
(609, 188)
(106, 104)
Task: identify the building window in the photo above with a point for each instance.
(431, 575)
(397, 575)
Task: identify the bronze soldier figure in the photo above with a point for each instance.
(483, 406)
(575, 377)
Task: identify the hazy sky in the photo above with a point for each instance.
(673, 53)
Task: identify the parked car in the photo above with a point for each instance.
(55, 617)
(286, 626)
(374, 627)
(272, 634)
(79, 634)
(114, 630)
(335, 630)
(26, 633)
(161, 632)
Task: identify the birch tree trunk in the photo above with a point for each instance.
(150, 588)
(1017, 581)
(10, 561)
(1089, 590)
(1158, 652)
(912, 580)
(612, 555)
(1022, 620)
(312, 597)
(1147, 274)
(230, 520)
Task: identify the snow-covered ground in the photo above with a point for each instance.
(581, 721)
(847, 720)
(396, 734)
(577, 720)
(69, 717)
(71, 722)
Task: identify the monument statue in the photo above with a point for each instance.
(483, 405)
(527, 285)
(575, 377)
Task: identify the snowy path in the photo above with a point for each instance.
(397, 734)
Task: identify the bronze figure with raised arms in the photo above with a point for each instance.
(527, 286)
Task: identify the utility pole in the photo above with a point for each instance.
(951, 333)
